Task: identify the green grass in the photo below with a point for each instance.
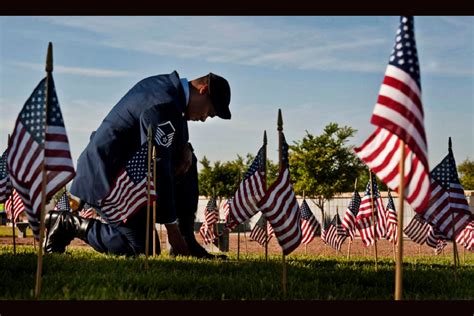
(6, 231)
(87, 275)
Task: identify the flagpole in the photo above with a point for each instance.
(154, 204)
(401, 198)
(280, 160)
(394, 239)
(350, 243)
(12, 208)
(305, 245)
(148, 208)
(265, 222)
(49, 70)
(454, 223)
(239, 226)
(373, 216)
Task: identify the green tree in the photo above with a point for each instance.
(322, 166)
(466, 174)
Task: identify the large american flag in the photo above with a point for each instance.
(309, 224)
(349, 220)
(87, 211)
(466, 237)
(129, 191)
(392, 221)
(250, 191)
(5, 183)
(418, 229)
(63, 203)
(364, 217)
(211, 217)
(335, 234)
(447, 198)
(258, 231)
(280, 207)
(39, 138)
(399, 116)
(18, 206)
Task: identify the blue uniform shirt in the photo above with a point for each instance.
(154, 100)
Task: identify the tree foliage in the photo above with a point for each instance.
(466, 174)
(324, 165)
(225, 177)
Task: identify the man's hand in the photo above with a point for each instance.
(176, 240)
(185, 161)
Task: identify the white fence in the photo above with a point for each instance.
(338, 203)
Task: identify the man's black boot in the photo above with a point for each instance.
(63, 227)
(186, 227)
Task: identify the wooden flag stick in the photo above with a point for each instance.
(280, 160)
(454, 248)
(238, 241)
(154, 204)
(401, 198)
(265, 223)
(12, 208)
(13, 223)
(374, 218)
(49, 70)
(148, 204)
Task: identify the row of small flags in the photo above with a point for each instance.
(39, 144)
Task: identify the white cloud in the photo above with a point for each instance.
(81, 71)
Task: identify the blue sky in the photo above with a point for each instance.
(316, 69)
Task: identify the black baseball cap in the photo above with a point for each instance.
(219, 92)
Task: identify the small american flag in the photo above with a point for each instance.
(211, 217)
(447, 198)
(364, 216)
(5, 183)
(38, 138)
(250, 191)
(309, 224)
(226, 208)
(18, 206)
(418, 229)
(87, 211)
(258, 231)
(466, 237)
(280, 207)
(63, 203)
(392, 220)
(129, 191)
(349, 220)
(399, 116)
(335, 234)
(436, 240)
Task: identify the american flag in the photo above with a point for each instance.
(87, 211)
(63, 203)
(250, 191)
(280, 207)
(466, 237)
(226, 208)
(349, 220)
(447, 198)
(18, 206)
(5, 183)
(258, 231)
(418, 229)
(399, 116)
(392, 220)
(129, 191)
(335, 234)
(211, 217)
(39, 138)
(364, 217)
(309, 224)
(436, 240)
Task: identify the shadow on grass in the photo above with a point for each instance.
(87, 275)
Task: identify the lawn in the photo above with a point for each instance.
(82, 274)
